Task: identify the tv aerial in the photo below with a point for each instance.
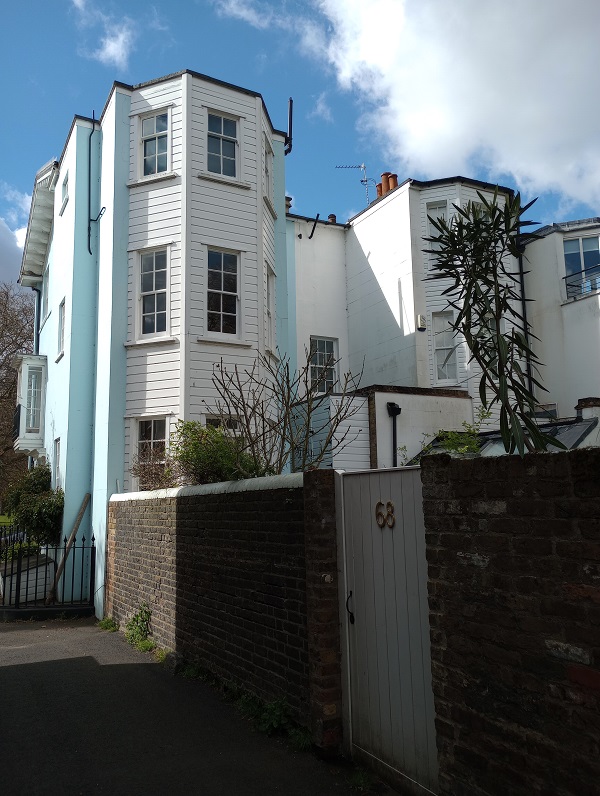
(366, 181)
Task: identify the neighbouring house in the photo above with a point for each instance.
(563, 279)
(161, 243)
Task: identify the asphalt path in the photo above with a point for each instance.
(82, 712)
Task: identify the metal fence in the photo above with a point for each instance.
(33, 574)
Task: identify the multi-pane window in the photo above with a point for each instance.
(222, 292)
(323, 364)
(153, 292)
(61, 327)
(582, 265)
(155, 136)
(152, 438)
(222, 139)
(444, 346)
(435, 211)
(64, 198)
(34, 400)
(152, 444)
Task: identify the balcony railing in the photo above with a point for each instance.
(582, 282)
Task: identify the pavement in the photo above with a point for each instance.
(82, 712)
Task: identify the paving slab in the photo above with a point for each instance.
(82, 712)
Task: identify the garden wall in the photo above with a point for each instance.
(514, 591)
(241, 578)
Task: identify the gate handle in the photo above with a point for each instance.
(350, 614)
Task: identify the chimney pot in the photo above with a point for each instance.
(379, 190)
(385, 182)
(393, 181)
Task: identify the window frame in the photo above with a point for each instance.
(56, 475)
(238, 295)
(430, 208)
(271, 310)
(61, 329)
(139, 319)
(453, 358)
(589, 277)
(224, 115)
(152, 419)
(323, 366)
(268, 177)
(154, 113)
(64, 194)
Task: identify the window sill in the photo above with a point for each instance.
(165, 175)
(234, 341)
(60, 356)
(151, 341)
(270, 207)
(208, 175)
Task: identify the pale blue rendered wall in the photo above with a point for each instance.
(109, 438)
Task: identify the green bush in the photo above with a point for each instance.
(137, 629)
(206, 455)
(35, 507)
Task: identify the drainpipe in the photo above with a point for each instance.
(525, 323)
(36, 330)
(393, 412)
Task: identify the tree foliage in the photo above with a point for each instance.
(16, 336)
(285, 417)
(35, 507)
(475, 252)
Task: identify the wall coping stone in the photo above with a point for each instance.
(288, 481)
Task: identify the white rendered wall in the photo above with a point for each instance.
(380, 292)
(568, 330)
(321, 288)
(421, 418)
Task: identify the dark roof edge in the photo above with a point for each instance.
(433, 391)
(488, 186)
(324, 221)
(199, 75)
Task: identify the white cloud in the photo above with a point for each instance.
(10, 253)
(117, 37)
(321, 109)
(258, 15)
(18, 203)
(116, 45)
(471, 87)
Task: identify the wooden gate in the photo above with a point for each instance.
(389, 711)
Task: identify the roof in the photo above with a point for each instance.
(422, 184)
(572, 432)
(39, 226)
(215, 81)
(568, 226)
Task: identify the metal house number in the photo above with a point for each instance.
(384, 514)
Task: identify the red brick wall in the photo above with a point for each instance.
(244, 583)
(514, 565)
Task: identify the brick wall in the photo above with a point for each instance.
(242, 581)
(514, 565)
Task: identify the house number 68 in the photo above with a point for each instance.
(384, 514)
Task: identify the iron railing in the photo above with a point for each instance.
(28, 571)
(582, 282)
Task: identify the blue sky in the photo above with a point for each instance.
(502, 92)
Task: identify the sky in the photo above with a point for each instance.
(498, 91)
